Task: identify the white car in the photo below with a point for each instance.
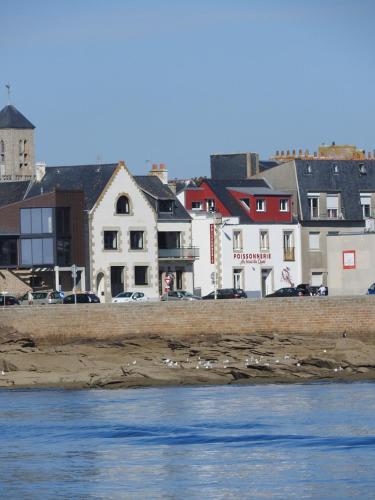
(129, 297)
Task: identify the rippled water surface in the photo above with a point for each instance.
(266, 441)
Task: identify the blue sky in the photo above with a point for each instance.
(175, 81)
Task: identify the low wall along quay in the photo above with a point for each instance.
(323, 316)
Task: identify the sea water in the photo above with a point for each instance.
(258, 441)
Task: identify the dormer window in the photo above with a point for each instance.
(261, 205)
(166, 206)
(308, 169)
(122, 205)
(362, 169)
(245, 202)
(335, 168)
(196, 205)
(210, 205)
(284, 205)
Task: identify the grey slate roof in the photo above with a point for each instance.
(348, 181)
(10, 117)
(89, 178)
(265, 191)
(155, 190)
(11, 192)
(221, 189)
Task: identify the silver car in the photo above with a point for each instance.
(179, 295)
(40, 298)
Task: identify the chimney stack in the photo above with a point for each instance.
(160, 171)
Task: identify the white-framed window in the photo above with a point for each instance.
(210, 205)
(238, 278)
(264, 240)
(288, 244)
(332, 206)
(313, 200)
(261, 205)
(365, 200)
(284, 205)
(196, 205)
(314, 240)
(237, 240)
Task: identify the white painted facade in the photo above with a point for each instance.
(122, 261)
(239, 259)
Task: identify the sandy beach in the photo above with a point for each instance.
(154, 360)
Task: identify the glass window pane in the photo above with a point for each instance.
(46, 220)
(25, 221)
(26, 256)
(36, 220)
(48, 251)
(37, 251)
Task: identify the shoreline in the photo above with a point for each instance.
(158, 361)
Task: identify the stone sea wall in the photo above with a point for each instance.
(321, 316)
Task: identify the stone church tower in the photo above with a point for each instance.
(17, 155)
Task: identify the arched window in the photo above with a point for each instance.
(122, 206)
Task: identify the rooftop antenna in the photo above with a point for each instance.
(8, 90)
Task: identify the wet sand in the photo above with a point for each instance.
(144, 361)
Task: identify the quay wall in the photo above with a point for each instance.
(321, 316)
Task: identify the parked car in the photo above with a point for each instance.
(226, 293)
(311, 289)
(289, 292)
(179, 295)
(371, 289)
(40, 298)
(81, 298)
(9, 300)
(129, 297)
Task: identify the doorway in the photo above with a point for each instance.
(117, 280)
(266, 276)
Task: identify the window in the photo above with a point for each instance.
(332, 206)
(308, 169)
(140, 275)
(63, 252)
(63, 221)
(316, 279)
(264, 240)
(365, 200)
(237, 240)
(210, 205)
(36, 220)
(261, 205)
(237, 278)
(37, 251)
(284, 205)
(2, 151)
(196, 205)
(335, 168)
(166, 206)
(314, 243)
(136, 240)
(110, 240)
(288, 244)
(362, 169)
(122, 205)
(245, 202)
(313, 200)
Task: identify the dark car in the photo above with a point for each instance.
(311, 289)
(9, 300)
(81, 298)
(289, 292)
(226, 293)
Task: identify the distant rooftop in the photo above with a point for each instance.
(325, 152)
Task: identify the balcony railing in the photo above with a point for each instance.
(289, 254)
(185, 253)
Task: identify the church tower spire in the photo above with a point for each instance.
(17, 154)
